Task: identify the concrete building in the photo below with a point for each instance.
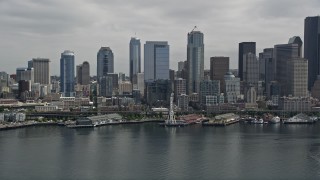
(67, 74)
(195, 61)
(219, 66)
(245, 48)
(125, 88)
(180, 87)
(295, 104)
(298, 77)
(312, 48)
(214, 100)
(232, 84)
(156, 60)
(134, 58)
(183, 102)
(208, 88)
(251, 95)
(83, 73)
(140, 83)
(105, 62)
(41, 68)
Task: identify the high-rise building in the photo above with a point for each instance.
(105, 62)
(245, 48)
(312, 47)
(250, 69)
(219, 66)
(83, 73)
(105, 65)
(195, 61)
(67, 74)
(282, 54)
(156, 60)
(267, 66)
(298, 77)
(135, 58)
(41, 68)
(26, 74)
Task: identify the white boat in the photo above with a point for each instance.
(275, 120)
(299, 119)
(256, 121)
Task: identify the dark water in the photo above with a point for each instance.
(152, 152)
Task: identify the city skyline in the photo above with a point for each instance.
(30, 27)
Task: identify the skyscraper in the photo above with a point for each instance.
(156, 60)
(195, 61)
(41, 68)
(312, 47)
(135, 58)
(83, 73)
(250, 69)
(105, 62)
(245, 48)
(219, 66)
(298, 77)
(282, 54)
(67, 74)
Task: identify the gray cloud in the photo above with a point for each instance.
(45, 28)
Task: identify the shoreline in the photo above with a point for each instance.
(4, 127)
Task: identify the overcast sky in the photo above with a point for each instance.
(45, 28)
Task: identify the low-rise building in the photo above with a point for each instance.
(295, 104)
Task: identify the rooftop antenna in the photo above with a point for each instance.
(194, 28)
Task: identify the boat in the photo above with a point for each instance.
(299, 119)
(275, 120)
(256, 121)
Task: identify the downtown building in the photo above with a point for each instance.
(105, 65)
(158, 87)
(156, 61)
(195, 61)
(312, 48)
(67, 80)
(245, 48)
(41, 68)
(232, 88)
(283, 54)
(208, 89)
(250, 72)
(179, 88)
(83, 73)
(219, 66)
(135, 59)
